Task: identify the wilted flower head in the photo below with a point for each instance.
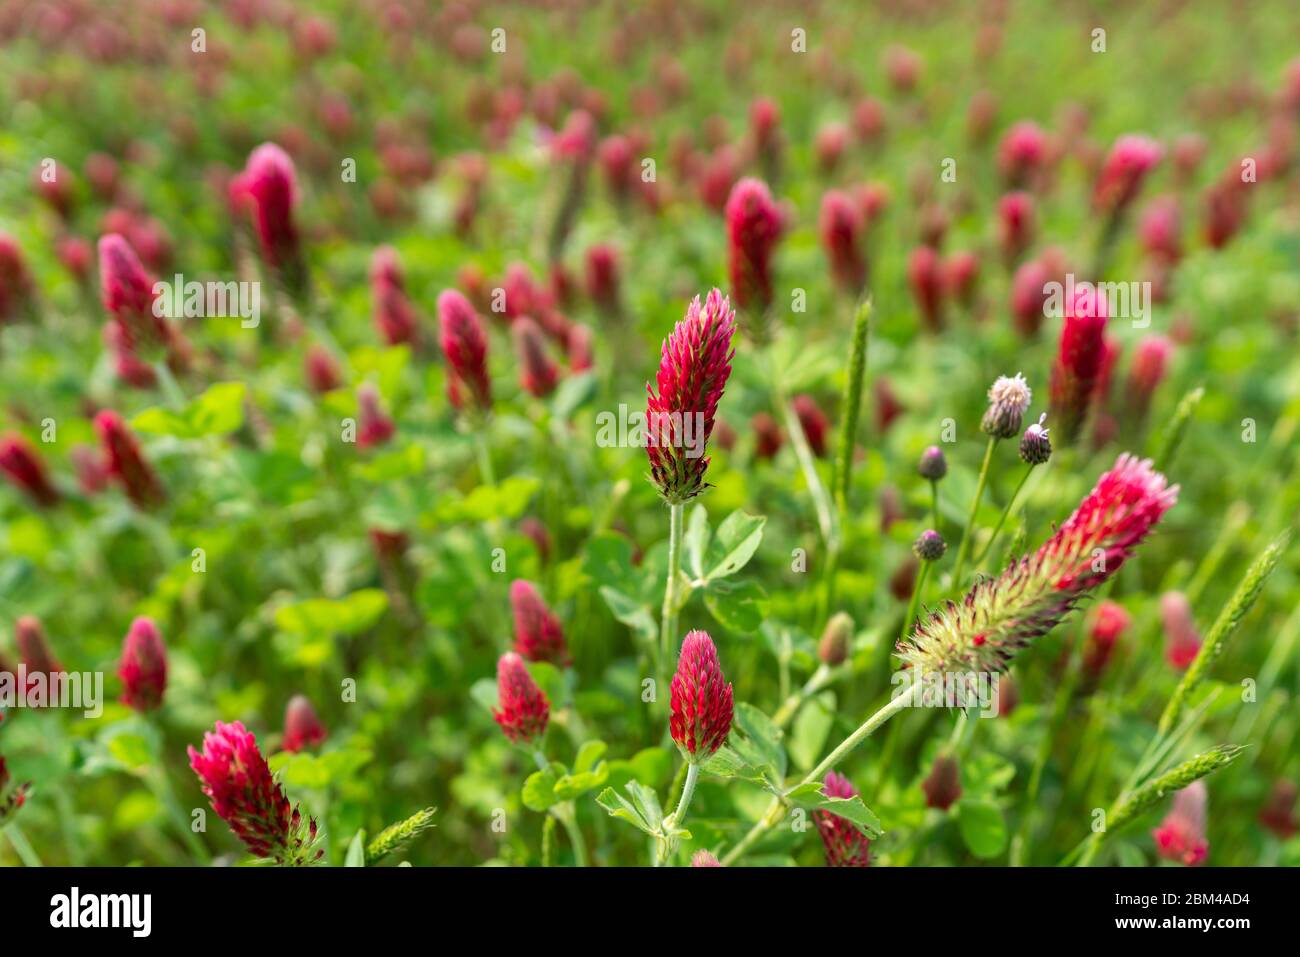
(813, 421)
(1080, 358)
(929, 546)
(268, 189)
(303, 728)
(24, 468)
(1182, 640)
(1181, 835)
(694, 364)
(933, 465)
(942, 786)
(753, 227)
(394, 314)
(701, 704)
(999, 616)
(143, 668)
(15, 280)
(539, 636)
(538, 373)
(1009, 397)
(524, 709)
(125, 462)
(840, 226)
(833, 649)
(465, 346)
(1126, 166)
(1035, 446)
(845, 845)
(238, 782)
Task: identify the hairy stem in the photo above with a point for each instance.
(960, 566)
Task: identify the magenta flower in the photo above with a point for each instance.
(602, 278)
(1182, 640)
(394, 314)
(1079, 360)
(1150, 365)
(961, 273)
(374, 425)
(1028, 297)
(753, 228)
(1021, 153)
(999, 616)
(1109, 623)
(845, 845)
(524, 709)
(125, 462)
(238, 782)
(539, 636)
(143, 668)
(322, 372)
(1181, 835)
(303, 728)
(465, 346)
(1160, 230)
(1016, 221)
(268, 189)
(701, 705)
(694, 364)
(127, 292)
(813, 421)
(704, 859)
(1126, 166)
(24, 468)
(840, 225)
(34, 647)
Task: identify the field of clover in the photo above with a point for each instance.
(579, 434)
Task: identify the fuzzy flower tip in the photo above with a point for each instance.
(999, 616)
(693, 369)
(1181, 835)
(303, 728)
(701, 703)
(753, 228)
(143, 668)
(704, 859)
(465, 346)
(1009, 397)
(238, 782)
(539, 636)
(845, 845)
(524, 708)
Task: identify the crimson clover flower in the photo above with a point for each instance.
(845, 845)
(524, 709)
(701, 704)
(539, 636)
(143, 668)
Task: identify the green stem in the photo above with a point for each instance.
(934, 506)
(974, 510)
(683, 804)
(915, 601)
(484, 457)
(566, 815)
(852, 405)
(827, 519)
(776, 810)
(820, 678)
(26, 853)
(668, 616)
(1002, 520)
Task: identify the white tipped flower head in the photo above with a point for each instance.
(1009, 397)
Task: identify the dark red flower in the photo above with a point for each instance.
(524, 709)
(1278, 813)
(961, 273)
(693, 368)
(237, 780)
(322, 372)
(1182, 640)
(1126, 166)
(24, 468)
(753, 228)
(925, 275)
(374, 425)
(846, 846)
(602, 278)
(125, 462)
(942, 787)
(538, 373)
(814, 422)
(127, 292)
(268, 189)
(840, 225)
(465, 346)
(1109, 623)
(394, 314)
(701, 704)
(143, 668)
(539, 636)
(303, 728)
(1015, 224)
(15, 280)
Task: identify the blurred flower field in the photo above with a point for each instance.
(564, 434)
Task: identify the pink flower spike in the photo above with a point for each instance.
(524, 708)
(1181, 835)
(701, 705)
(845, 845)
(465, 346)
(143, 668)
(303, 728)
(754, 225)
(539, 636)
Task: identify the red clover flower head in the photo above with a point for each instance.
(701, 702)
(524, 708)
(845, 845)
(539, 636)
(143, 668)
